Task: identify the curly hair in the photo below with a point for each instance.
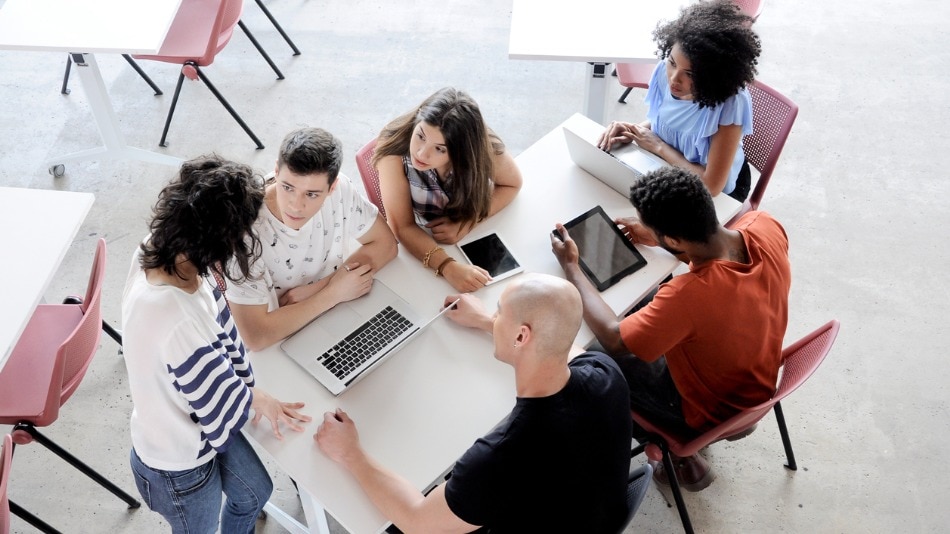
(675, 203)
(311, 151)
(720, 44)
(470, 144)
(206, 214)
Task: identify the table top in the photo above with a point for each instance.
(117, 26)
(606, 31)
(421, 409)
(33, 246)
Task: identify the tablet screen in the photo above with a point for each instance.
(606, 255)
(491, 254)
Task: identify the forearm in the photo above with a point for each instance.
(261, 329)
(392, 494)
(419, 243)
(501, 197)
(601, 320)
(376, 254)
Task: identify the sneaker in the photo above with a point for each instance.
(693, 473)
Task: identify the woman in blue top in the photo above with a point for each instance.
(699, 107)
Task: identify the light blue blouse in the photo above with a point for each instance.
(687, 127)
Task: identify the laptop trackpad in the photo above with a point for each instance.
(339, 320)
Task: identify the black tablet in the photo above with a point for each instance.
(490, 253)
(606, 255)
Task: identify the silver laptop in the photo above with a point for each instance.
(341, 346)
(619, 168)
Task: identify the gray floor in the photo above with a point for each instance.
(859, 189)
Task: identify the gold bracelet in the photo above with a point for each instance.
(428, 256)
(445, 262)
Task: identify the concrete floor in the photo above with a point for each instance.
(858, 189)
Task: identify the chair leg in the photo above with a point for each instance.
(36, 522)
(69, 64)
(171, 110)
(623, 97)
(786, 441)
(226, 105)
(279, 29)
(113, 333)
(638, 450)
(280, 75)
(144, 76)
(75, 462)
(675, 490)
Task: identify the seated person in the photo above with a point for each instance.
(698, 106)
(187, 445)
(559, 461)
(309, 218)
(441, 171)
(709, 344)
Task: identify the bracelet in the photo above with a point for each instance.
(446, 261)
(428, 256)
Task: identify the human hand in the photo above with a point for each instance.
(563, 247)
(468, 311)
(301, 293)
(464, 277)
(616, 132)
(264, 405)
(337, 436)
(351, 281)
(645, 139)
(445, 231)
(636, 232)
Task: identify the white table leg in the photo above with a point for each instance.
(313, 511)
(595, 92)
(292, 525)
(106, 121)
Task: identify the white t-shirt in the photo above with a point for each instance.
(293, 258)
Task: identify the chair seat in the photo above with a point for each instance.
(190, 32)
(635, 74)
(25, 379)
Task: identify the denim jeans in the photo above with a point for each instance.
(190, 500)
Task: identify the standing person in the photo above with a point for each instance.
(441, 171)
(311, 217)
(558, 462)
(698, 105)
(192, 385)
(709, 344)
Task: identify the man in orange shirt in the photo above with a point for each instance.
(709, 343)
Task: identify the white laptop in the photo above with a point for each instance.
(619, 168)
(341, 346)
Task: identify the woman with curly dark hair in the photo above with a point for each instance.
(699, 107)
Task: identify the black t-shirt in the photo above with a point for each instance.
(557, 464)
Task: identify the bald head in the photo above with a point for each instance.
(551, 306)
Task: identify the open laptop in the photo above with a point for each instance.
(619, 168)
(341, 346)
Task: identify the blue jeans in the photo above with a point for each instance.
(190, 500)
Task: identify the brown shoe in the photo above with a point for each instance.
(693, 473)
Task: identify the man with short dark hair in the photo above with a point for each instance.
(709, 343)
(307, 224)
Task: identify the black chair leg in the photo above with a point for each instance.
(280, 75)
(69, 65)
(36, 522)
(75, 462)
(786, 441)
(623, 97)
(142, 74)
(675, 490)
(113, 333)
(279, 29)
(638, 450)
(226, 105)
(171, 110)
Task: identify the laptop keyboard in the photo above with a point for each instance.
(365, 342)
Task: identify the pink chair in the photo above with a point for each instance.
(632, 75)
(369, 175)
(201, 29)
(6, 455)
(772, 118)
(750, 7)
(45, 368)
(799, 361)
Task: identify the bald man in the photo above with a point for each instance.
(557, 463)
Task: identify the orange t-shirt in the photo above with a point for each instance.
(721, 326)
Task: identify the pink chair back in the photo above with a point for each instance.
(635, 74)
(77, 351)
(772, 118)
(750, 7)
(369, 175)
(6, 458)
(799, 361)
(201, 29)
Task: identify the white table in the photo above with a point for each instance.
(598, 32)
(38, 227)
(424, 407)
(83, 29)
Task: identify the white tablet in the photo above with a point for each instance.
(490, 253)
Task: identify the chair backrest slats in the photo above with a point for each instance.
(772, 118)
(369, 175)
